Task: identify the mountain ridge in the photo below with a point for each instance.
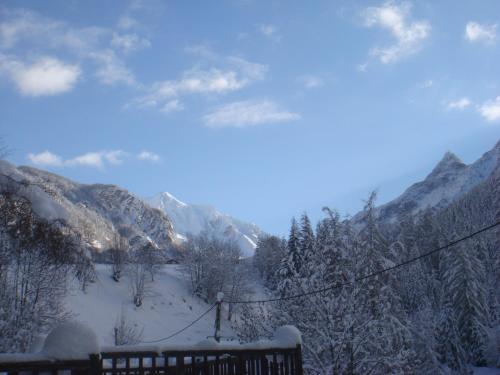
(99, 212)
(450, 179)
(194, 218)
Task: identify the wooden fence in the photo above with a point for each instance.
(267, 361)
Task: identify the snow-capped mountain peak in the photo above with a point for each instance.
(194, 218)
(168, 199)
(449, 162)
(449, 180)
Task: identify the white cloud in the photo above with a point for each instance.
(95, 45)
(459, 104)
(196, 82)
(148, 156)
(490, 110)
(90, 159)
(46, 158)
(97, 159)
(394, 18)
(129, 42)
(310, 81)
(248, 113)
(234, 74)
(475, 32)
(46, 76)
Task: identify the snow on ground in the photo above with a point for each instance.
(169, 307)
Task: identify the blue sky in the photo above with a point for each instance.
(264, 109)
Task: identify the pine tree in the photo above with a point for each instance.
(294, 248)
(449, 346)
(292, 262)
(306, 244)
(464, 277)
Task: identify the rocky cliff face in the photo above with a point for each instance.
(99, 213)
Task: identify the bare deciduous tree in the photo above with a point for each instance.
(118, 257)
(126, 332)
(213, 266)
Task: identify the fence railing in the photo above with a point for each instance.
(267, 361)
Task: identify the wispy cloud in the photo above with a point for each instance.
(248, 113)
(459, 104)
(45, 76)
(311, 81)
(165, 94)
(476, 32)
(173, 105)
(490, 110)
(428, 83)
(97, 159)
(94, 159)
(409, 36)
(111, 69)
(149, 156)
(270, 32)
(362, 67)
(129, 42)
(127, 22)
(225, 74)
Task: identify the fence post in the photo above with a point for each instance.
(298, 360)
(220, 297)
(95, 364)
(179, 364)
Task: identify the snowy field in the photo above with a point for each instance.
(168, 307)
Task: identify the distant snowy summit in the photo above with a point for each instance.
(450, 179)
(192, 219)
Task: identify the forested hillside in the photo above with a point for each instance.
(433, 315)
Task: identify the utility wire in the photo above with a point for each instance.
(181, 330)
(340, 285)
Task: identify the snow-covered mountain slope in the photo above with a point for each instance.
(99, 213)
(448, 181)
(192, 219)
(168, 307)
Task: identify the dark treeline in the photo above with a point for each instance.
(435, 316)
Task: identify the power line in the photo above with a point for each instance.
(340, 285)
(181, 330)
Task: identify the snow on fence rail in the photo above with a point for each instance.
(73, 350)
